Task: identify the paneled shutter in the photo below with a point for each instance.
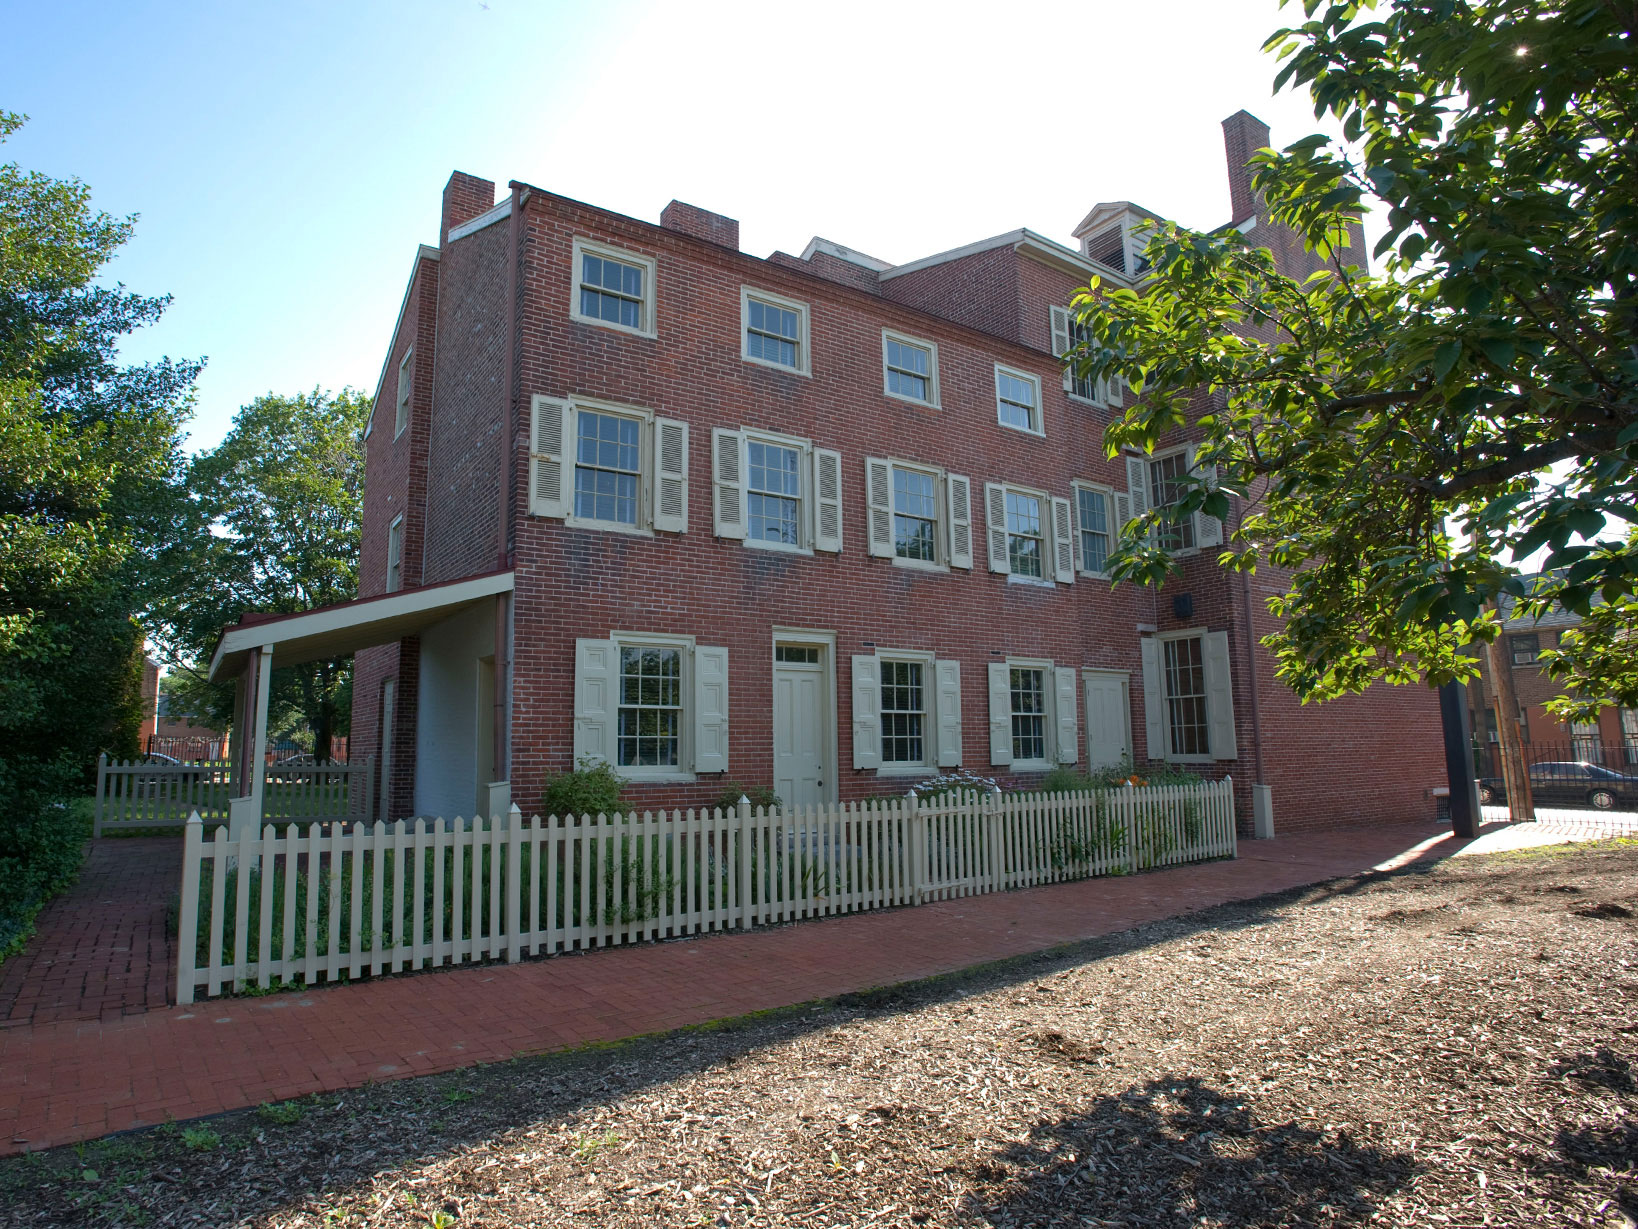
(1208, 530)
(1154, 700)
(1000, 713)
(671, 475)
(1066, 707)
(1060, 341)
(710, 709)
(596, 679)
(958, 493)
(550, 425)
(1063, 542)
(728, 483)
(879, 505)
(867, 712)
(947, 687)
(827, 485)
(995, 511)
(1219, 698)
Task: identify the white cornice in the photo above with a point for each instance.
(502, 210)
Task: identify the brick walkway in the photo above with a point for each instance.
(100, 951)
(66, 1078)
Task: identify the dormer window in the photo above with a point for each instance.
(1114, 235)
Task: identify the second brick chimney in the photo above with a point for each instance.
(701, 223)
(1243, 135)
(465, 197)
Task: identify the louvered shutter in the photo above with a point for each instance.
(596, 677)
(1137, 484)
(1219, 697)
(551, 425)
(1123, 511)
(1065, 710)
(947, 696)
(710, 709)
(728, 483)
(1208, 530)
(1154, 700)
(995, 512)
(1063, 542)
(879, 505)
(958, 494)
(671, 475)
(827, 485)
(1000, 713)
(867, 712)
(1114, 390)
(1060, 341)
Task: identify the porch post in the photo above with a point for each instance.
(245, 811)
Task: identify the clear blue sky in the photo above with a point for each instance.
(287, 158)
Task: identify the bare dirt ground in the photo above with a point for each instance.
(1445, 1046)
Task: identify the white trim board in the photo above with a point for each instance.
(488, 218)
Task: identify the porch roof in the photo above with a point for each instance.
(346, 627)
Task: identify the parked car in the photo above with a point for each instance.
(1570, 783)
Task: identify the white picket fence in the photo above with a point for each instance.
(136, 796)
(335, 902)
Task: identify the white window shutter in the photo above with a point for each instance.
(1063, 542)
(879, 505)
(551, 425)
(1137, 484)
(728, 483)
(671, 475)
(827, 486)
(1066, 709)
(867, 712)
(1114, 390)
(1154, 700)
(596, 678)
(1208, 530)
(958, 492)
(1219, 698)
(1060, 341)
(995, 512)
(947, 695)
(1123, 510)
(710, 709)
(1000, 713)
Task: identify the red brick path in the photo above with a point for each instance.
(100, 951)
(63, 1080)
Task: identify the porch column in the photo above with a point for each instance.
(245, 811)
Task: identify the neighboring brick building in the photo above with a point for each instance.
(818, 521)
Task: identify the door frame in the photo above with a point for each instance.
(826, 640)
(1125, 677)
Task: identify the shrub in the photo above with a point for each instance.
(39, 857)
(760, 796)
(593, 788)
(1062, 780)
(961, 782)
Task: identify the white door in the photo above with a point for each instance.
(1108, 718)
(799, 728)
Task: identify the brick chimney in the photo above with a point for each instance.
(701, 223)
(1243, 135)
(465, 197)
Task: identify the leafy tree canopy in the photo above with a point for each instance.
(1402, 436)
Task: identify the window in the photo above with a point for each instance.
(607, 467)
(1165, 489)
(613, 288)
(1017, 400)
(1526, 649)
(1024, 534)
(1095, 522)
(797, 654)
(904, 713)
(1188, 732)
(1029, 725)
(405, 379)
(775, 493)
(915, 515)
(1629, 734)
(395, 554)
(651, 709)
(910, 368)
(774, 329)
(1585, 741)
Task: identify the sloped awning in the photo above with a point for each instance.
(346, 627)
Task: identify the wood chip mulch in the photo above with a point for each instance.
(1452, 1046)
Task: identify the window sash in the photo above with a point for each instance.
(1094, 524)
(909, 370)
(1188, 725)
(903, 713)
(650, 712)
(1165, 489)
(772, 334)
(612, 290)
(1016, 402)
(774, 493)
(915, 515)
(1025, 537)
(608, 467)
(1028, 689)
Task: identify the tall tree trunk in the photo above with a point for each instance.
(325, 716)
(1521, 803)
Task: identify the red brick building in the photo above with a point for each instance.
(813, 521)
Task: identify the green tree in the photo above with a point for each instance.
(284, 494)
(1403, 436)
(90, 457)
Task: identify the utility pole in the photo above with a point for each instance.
(1521, 803)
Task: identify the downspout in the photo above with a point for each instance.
(506, 541)
(1251, 679)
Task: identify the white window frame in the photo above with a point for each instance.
(940, 562)
(1045, 500)
(920, 343)
(651, 301)
(1109, 515)
(804, 365)
(1176, 757)
(1038, 427)
(806, 509)
(395, 554)
(645, 467)
(929, 714)
(659, 773)
(406, 376)
(1192, 523)
(1049, 712)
